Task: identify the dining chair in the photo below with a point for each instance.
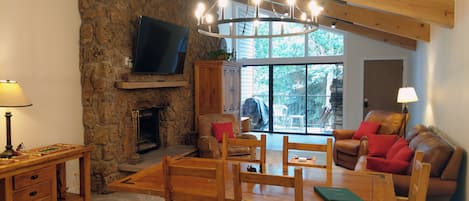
(253, 143)
(418, 180)
(287, 146)
(215, 172)
(239, 177)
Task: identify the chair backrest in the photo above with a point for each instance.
(249, 177)
(419, 180)
(327, 148)
(170, 169)
(390, 122)
(252, 143)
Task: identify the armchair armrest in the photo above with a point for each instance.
(208, 147)
(343, 134)
(363, 149)
(246, 135)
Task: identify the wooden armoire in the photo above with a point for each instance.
(217, 87)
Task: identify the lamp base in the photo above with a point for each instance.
(8, 153)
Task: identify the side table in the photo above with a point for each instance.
(35, 174)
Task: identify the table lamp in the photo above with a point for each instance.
(405, 96)
(11, 95)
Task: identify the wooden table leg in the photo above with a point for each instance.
(62, 179)
(85, 176)
(8, 189)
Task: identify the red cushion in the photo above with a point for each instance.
(378, 145)
(396, 147)
(365, 128)
(218, 129)
(383, 165)
(405, 154)
(376, 164)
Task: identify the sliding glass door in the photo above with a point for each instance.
(292, 98)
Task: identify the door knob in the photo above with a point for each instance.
(365, 102)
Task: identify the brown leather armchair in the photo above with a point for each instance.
(208, 144)
(347, 150)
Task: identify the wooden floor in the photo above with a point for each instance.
(275, 140)
(274, 156)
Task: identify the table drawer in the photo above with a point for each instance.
(48, 198)
(33, 177)
(40, 191)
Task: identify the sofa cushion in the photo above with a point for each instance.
(419, 138)
(378, 145)
(436, 187)
(389, 166)
(347, 146)
(219, 129)
(415, 131)
(238, 150)
(436, 151)
(396, 147)
(405, 154)
(365, 128)
(390, 122)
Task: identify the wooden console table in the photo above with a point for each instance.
(35, 175)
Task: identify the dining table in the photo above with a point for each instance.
(369, 186)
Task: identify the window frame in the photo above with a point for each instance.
(288, 60)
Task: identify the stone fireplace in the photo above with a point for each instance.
(106, 40)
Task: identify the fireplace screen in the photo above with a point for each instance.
(148, 129)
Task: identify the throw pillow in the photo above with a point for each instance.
(405, 154)
(389, 166)
(376, 164)
(398, 167)
(378, 145)
(396, 147)
(365, 128)
(219, 129)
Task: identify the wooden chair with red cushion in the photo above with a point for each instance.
(347, 142)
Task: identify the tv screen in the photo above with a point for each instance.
(160, 47)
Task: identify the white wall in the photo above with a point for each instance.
(39, 48)
(440, 71)
(358, 49)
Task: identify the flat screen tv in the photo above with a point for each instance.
(160, 47)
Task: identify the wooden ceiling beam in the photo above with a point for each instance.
(386, 22)
(400, 41)
(393, 39)
(437, 11)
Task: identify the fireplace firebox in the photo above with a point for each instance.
(148, 129)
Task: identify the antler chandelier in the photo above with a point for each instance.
(308, 19)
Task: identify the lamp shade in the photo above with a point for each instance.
(11, 95)
(407, 95)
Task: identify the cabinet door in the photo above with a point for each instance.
(228, 84)
(237, 89)
(209, 90)
(231, 92)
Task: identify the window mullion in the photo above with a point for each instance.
(306, 45)
(270, 39)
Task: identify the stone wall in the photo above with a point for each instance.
(106, 38)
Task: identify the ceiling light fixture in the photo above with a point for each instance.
(205, 19)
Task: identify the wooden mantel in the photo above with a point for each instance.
(149, 84)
